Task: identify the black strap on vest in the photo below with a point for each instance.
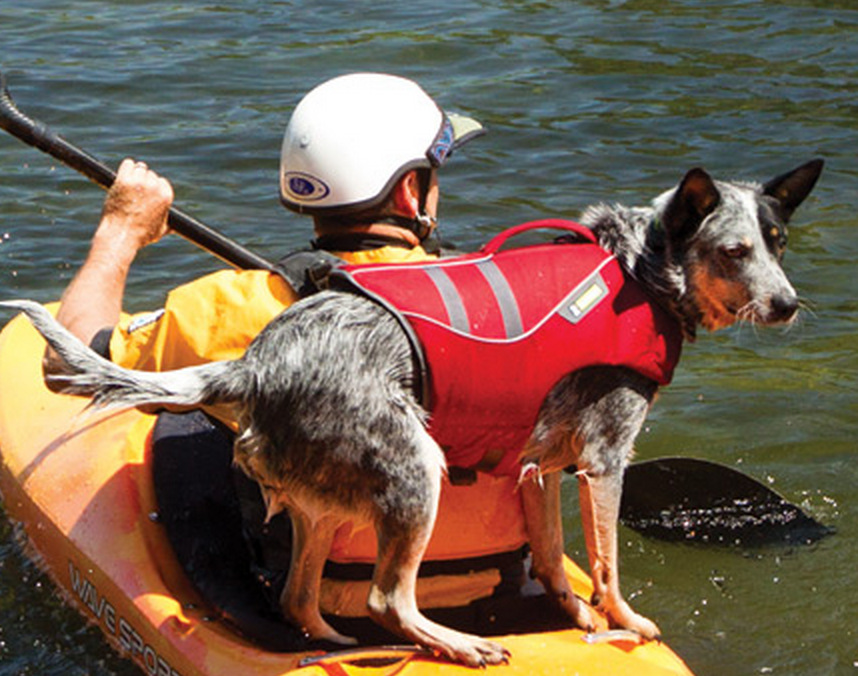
(310, 271)
(307, 270)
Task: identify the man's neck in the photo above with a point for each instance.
(386, 232)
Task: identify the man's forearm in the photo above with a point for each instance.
(134, 215)
(93, 300)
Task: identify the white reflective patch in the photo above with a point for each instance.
(586, 300)
(145, 320)
(587, 296)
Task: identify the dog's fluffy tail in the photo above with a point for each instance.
(112, 386)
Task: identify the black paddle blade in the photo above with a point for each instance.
(692, 500)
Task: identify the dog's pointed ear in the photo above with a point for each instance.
(694, 199)
(791, 189)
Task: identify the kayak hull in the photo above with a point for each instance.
(79, 486)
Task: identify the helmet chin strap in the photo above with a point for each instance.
(412, 228)
(425, 225)
(421, 225)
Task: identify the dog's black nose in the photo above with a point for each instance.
(783, 308)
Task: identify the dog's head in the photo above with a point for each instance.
(729, 239)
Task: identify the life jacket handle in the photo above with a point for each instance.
(494, 244)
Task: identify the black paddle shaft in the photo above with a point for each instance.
(39, 135)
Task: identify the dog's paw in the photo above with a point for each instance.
(560, 591)
(579, 612)
(476, 652)
(625, 618)
(337, 637)
(645, 627)
(473, 651)
(322, 631)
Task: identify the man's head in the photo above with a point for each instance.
(366, 146)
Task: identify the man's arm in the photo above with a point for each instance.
(134, 215)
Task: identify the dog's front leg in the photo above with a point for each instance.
(542, 510)
(600, 510)
(311, 544)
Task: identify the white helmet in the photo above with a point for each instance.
(351, 138)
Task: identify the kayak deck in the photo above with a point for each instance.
(81, 486)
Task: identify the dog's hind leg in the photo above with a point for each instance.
(403, 531)
(299, 601)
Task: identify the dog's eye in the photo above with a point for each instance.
(735, 251)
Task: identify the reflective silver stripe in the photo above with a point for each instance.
(504, 296)
(452, 301)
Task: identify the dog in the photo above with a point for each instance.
(332, 431)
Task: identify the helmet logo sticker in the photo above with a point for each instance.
(305, 187)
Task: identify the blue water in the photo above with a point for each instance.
(599, 100)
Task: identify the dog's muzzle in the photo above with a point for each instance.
(783, 308)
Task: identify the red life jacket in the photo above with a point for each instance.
(499, 328)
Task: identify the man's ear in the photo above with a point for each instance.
(694, 199)
(406, 195)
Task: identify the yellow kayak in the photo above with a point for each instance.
(81, 487)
